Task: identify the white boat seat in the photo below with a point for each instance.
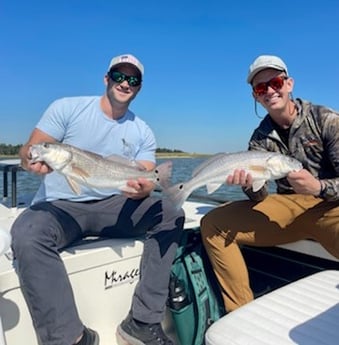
(305, 312)
(103, 274)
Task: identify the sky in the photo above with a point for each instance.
(196, 55)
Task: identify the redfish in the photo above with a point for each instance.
(81, 167)
(262, 165)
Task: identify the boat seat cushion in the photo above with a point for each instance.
(303, 312)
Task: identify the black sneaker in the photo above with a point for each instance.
(90, 337)
(133, 332)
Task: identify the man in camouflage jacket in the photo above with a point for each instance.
(306, 205)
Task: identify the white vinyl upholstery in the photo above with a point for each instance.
(305, 312)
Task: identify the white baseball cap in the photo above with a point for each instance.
(265, 61)
(127, 58)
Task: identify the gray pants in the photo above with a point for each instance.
(43, 230)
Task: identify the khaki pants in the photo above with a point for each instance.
(278, 219)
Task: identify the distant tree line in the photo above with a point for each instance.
(9, 150)
(163, 150)
(12, 150)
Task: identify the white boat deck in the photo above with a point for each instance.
(305, 312)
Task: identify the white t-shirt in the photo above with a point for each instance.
(79, 121)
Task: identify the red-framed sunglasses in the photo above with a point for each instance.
(275, 83)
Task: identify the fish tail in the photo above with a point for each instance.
(177, 194)
(163, 173)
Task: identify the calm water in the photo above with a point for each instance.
(182, 169)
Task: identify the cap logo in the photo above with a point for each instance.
(127, 58)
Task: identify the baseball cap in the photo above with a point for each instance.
(265, 61)
(127, 58)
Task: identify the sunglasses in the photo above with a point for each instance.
(119, 77)
(275, 83)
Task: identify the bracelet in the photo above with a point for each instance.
(322, 189)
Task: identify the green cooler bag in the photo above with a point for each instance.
(194, 298)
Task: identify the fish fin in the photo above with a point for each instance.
(74, 185)
(127, 189)
(212, 187)
(163, 174)
(258, 168)
(257, 185)
(82, 173)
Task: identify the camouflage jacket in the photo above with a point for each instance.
(313, 140)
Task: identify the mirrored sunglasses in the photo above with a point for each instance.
(119, 77)
(275, 83)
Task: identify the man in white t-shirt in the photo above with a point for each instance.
(58, 217)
